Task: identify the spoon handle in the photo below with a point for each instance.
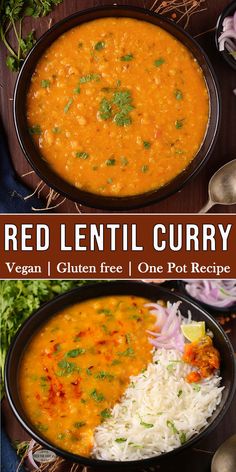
(207, 207)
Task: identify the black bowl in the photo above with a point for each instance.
(47, 174)
(228, 11)
(151, 292)
(206, 306)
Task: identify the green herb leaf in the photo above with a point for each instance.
(42, 427)
(128, 353)
(45, 83)
(127, 57)
(36, 129)
(146, 144)
(179, 123)
(171, 425)
(99, 46)
(104, 376)
(82, 155)
(75, 352)
(197, 387)
(146, 425)
(178, 95)
(182, 437)
(179, 393)
(124, 161)
(97, 396)
(105, 109)
(79, 424)
(110, 162)
(159, 62)
(13, 63)
(56, 130)
(106, 413)
(77, 90)
(120, 440)
(145, 168)
(115, 362)
(68, 105)
(89, 78)
(110, 180)
(121, 119)
(105, 329)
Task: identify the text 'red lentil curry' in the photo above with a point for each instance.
(118, 107)
(79, 364)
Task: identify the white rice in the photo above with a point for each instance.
(158, 410)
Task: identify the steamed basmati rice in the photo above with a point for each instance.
(158, 412)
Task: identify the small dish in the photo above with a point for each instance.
(229, 10)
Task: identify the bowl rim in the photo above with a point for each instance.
(68, 296)
(124, 203)
(225, 12)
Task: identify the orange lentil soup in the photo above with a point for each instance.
(118, 107)
(78, 365)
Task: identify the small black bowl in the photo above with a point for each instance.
(41, 167)
(228, 11)
(151, 292)
(206, 306)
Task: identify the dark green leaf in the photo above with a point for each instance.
(146, 425)
(100, 45)
(82, 155)
(45, 83)
(178, 95)
(36, 129)
(105, 109)
(79, 424)
(106, 413)
(97, 396)
(179, 123)
(146, 144)
(120, 440)
(75, 352)
(68, 105)
(159, 62)
(127, 57)
(110, 162)
(89, 78)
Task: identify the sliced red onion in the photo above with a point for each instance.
(30, 454)
(170, 336)
(227, 39)
(218, 293)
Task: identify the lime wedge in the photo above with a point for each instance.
(194, 331)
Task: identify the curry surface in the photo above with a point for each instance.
(118, 106)
(78, 365)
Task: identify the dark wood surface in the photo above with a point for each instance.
(194, 195)
(195, 459)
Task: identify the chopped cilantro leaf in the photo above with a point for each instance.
(127, 57)
(159, 62)
(99, 46)
(82, 155)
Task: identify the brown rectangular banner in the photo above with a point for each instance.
(117, 246)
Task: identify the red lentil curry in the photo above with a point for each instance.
(78, 365)
(118, 107)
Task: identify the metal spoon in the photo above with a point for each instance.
(222, 187)
(224, 459)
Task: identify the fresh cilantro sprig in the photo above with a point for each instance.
(118, 107)
(13, 14)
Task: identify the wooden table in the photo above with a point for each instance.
(194, 195)
(197, 458)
